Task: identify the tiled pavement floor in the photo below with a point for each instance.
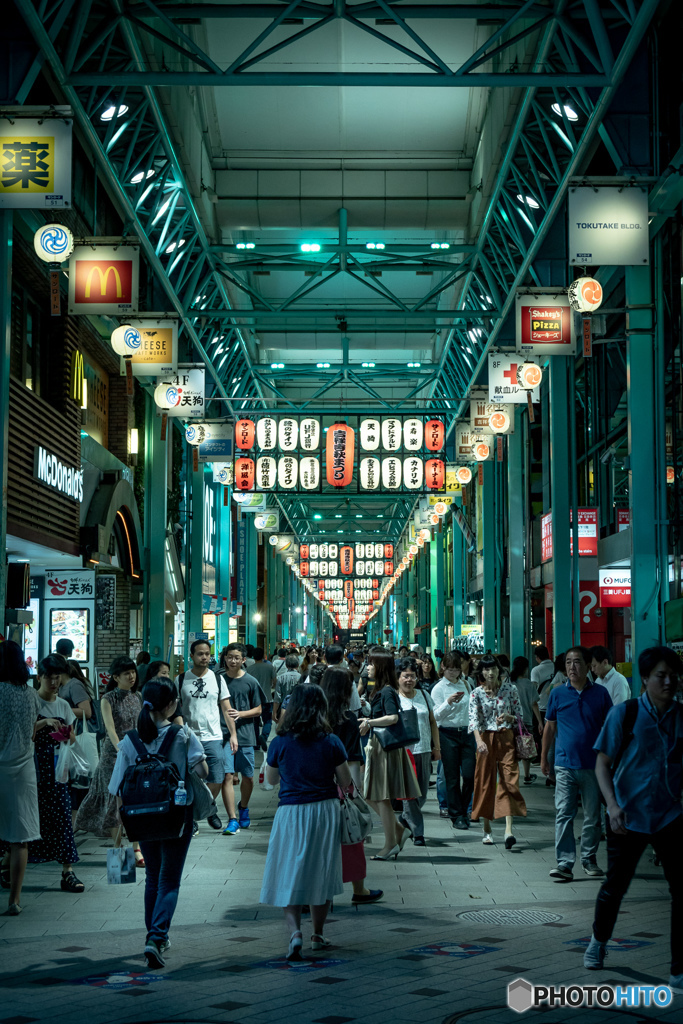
(77, 959)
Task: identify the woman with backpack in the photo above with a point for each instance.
(303, 864)
(164, 858)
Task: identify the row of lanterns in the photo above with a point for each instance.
(363, 568)
(289, 472)
(325, 550)
(290, 434)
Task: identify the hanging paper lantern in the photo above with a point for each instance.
(391, 473)
(167, 396)
(273, 540)
(375, 595)
(287, 472)
(441, 508)
(309, 435)
(324, 550)
(309, 473)
(314, 570)
(529, 375)
(585, 294)
(340, 452)
(126, 340)
(244, 434)
(321, 584)
(388, 568)
(463, 474)
(303, 567)
(369, 435)
(413, 434)
(378, 569)
(360, 550)
(420, 542)
(434, 519)
(389, 550)
(435, 474)
(481, 451)
(499, 421)
(323, 568)
(369, 474)
(266, 433)
(53, 243)
(315, 551)
(435, 433)
(670, 475)
(413, 473)
(266, 472)
(346, 560)
(304, 551)
(348, 588)
(426, 534)
(379, 550)
(334, 568)
(360, 568)
(288, 434)
(334, 550)
(391, 435)
(197, 433)
(244, 474)
(375, 584)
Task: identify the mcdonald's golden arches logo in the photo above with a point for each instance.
(77, 376)
(104, 279)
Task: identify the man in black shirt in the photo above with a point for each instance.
(245, 707)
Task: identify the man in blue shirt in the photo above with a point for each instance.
(643, 799)
(575, 715)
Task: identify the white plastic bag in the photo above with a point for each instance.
(86, 748)
(63, 763)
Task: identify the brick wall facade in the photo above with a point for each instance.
(110, 644)
(121, 418)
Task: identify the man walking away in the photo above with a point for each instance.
(204, 698)
(245, 708)
(602, 667)
(638, 768)
(334, 655)
(285, 683)
(265, 674)
(544, 669)
(574, 717)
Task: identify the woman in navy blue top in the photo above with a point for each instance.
(303, 864)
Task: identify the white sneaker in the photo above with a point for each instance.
(267, 785)
(487, 840)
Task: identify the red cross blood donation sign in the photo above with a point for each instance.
(545, 323)
(503, 386)
(615, 588)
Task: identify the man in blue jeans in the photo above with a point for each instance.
(574, 717)
(245, 709)
(640, 774)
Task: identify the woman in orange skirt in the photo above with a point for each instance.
(494, 709)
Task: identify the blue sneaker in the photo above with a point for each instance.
(232, 828)
(245, 820)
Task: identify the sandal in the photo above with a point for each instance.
(319, 942)
(141, 862)
(71, 884)
(294, 951)
(5, 876)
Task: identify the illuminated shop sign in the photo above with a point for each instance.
(54, 473)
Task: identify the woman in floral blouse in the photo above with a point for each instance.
(494, 710)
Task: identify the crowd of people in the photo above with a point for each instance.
(342, 730)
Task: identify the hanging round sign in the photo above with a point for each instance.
(529, 375)
(481, 451)
(463, 474)
(585, 295)
(53, 243)
(167, 396)
(499, 421)
(126, 340)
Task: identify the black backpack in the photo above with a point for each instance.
(148, 809)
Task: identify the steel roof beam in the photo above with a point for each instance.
(477, 79)
(344, 313)
(309, 11)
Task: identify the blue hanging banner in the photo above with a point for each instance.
(241, 562)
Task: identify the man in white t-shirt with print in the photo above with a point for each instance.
(204, 697)
(604, 672)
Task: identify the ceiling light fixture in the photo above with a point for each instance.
(310, 247)
(569, 112)
(112, 111)
(527, 201)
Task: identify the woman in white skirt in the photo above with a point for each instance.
(303, 865)
(19, 820)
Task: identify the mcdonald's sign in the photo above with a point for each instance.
(77, 376)
(104, 279)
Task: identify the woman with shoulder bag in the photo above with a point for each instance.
(337, 684)
(494, 710)
(164, 858)
(411, 696)
(78, 694)
(389, 774)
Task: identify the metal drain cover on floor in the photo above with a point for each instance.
(510, 917)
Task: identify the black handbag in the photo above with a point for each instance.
(404, 733)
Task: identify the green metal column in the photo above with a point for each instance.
(224, 541)
(647, 461)
(458, 576)
(271, 599)
(489, 547)
(251, 627)
(423, 603)
(195, 548)
(515, 545)
(560, 411)
(156, 492)
(5, 327)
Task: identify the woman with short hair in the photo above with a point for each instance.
(19, 818)
(414, 697)
(303, 863)
(493, 711)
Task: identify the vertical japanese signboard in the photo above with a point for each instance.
(588, 532)
(546, 537)
(241, 562)
(35, 159)
(544, 323)
(103, 279)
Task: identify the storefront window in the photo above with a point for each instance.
(29, 353)
(73, 624)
